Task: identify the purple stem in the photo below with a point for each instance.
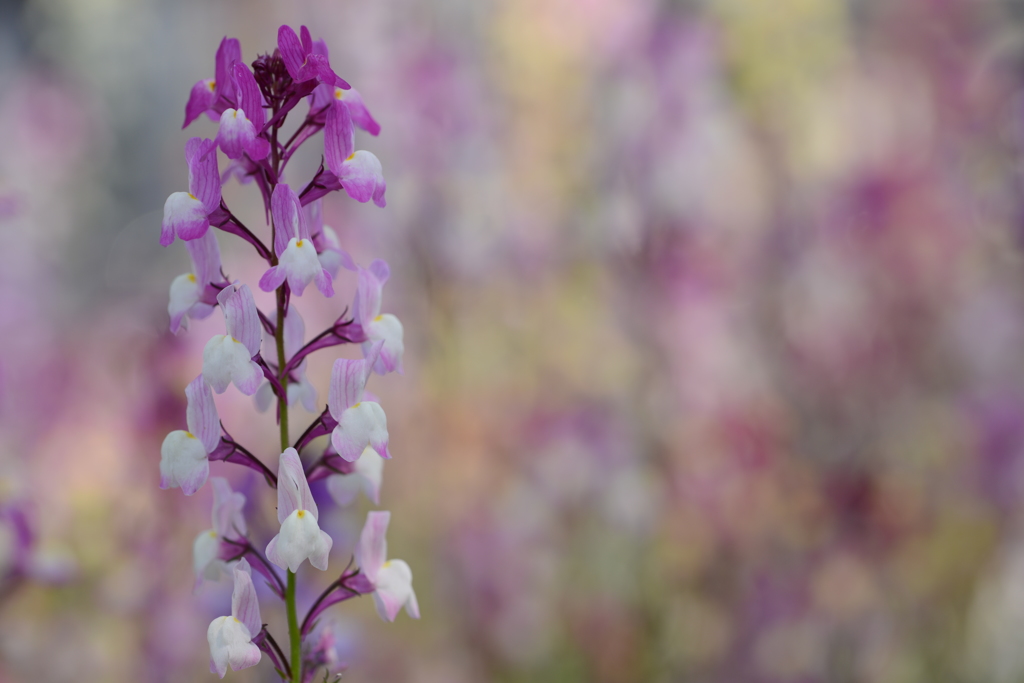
(361, 586)
(260, 564)
(265, 642)
(229, 450)
(332, 336)
(225, 220)
(321, 426)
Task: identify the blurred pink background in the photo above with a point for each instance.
(713, 326)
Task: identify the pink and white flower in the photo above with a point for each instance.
(391, 579)
(184, 455)
(230, 637)
(229, 357)
(361, 424)
(300, 537)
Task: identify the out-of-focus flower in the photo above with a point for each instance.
(230, 638)
(184, 455)
(391, 579)
(366, 476)
(228, 523)
(193, 295)
(300, 389)
(300, 537)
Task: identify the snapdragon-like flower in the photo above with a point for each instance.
(302, 61)
(391, 579)
(360, 423)
(193, 294)
(297, 257)
(300, 389)
(229, 357)
(240, 128)
(187, 214)
(358, 171)
(300, 537)
(385, 329)
(228, 523)
(214, 95)
(230, 638)
(366, 476)
(184, 456)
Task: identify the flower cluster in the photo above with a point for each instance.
(264, 354)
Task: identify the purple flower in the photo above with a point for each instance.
(240, 128)
(385, 329)
(228, 523)
(300, 537)
(184, 456)
(228, 357)
(230, 638)
(193, 294)
(391, 579)
(297, 257)
(187, 214)
(360, 423)
(214, 95)
(302, 61)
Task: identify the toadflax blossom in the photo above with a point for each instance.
(328, 246)
(228, 357)
(300, 389)
(358, 171)
(302, 61)
(187, 214)
(300, 537)
(391, 579)
(385, 328)
(360, 423)
(193, 294)
(214, 95)
(184, 456)
(240, 128)
(230, 638)
(297, 257)
(228, 523)
(366, 477)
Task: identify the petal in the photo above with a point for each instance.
(183, 462)
(344, 488)
(184, 216)
(250, 100)
(200, 99)
(228, 520)
(292, 488)
(362, 177)
(361, 425)
(372, 549)
(184, 295)
(203, 174)
(357, 109)
(339, 138)
(394, 590)
(201, 414)
(291, 50)
(241, 317)
(369, 292)
(205, 556)
(229, 52)
(216, 365)
(300, 539)
(289, 221)
(385, 328)
(244, 605)
(247, 377)
(273, 278)
(307, 40)
(294, 331)
(205, 254)
(265, 397)
(348, 379)
(218, 648)
(235, 134)
(370, 467)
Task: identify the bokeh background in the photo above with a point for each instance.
(714, 318)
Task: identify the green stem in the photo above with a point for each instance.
(293, 629)
(283, 377)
